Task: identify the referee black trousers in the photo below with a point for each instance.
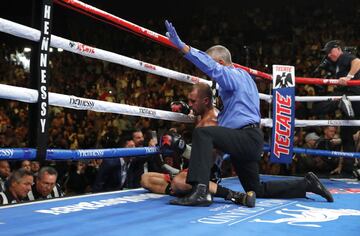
(244, 147)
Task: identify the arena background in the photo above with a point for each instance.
(257, 24)
(259, 34)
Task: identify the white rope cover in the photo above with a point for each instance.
(323, 98)
(305, 123)
(73, 102)
(268, 98)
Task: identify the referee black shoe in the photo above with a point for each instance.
(315, 186)
(199, 196)
(246, 199)
(346, 107)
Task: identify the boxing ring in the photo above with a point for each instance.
(138, 212)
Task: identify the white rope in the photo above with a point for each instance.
(78, 103)
(305, 123)
(265, 97)
(267, 122)
(268, 98)
(73, 102)
(84, 50)
(323, 98)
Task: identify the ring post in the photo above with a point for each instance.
(283, 114)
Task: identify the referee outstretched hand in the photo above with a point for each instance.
(173, 36)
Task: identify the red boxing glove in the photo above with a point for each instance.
(180, 106)
(172, 142)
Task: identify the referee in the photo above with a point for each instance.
(238, 133)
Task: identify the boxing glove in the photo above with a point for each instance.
(172, 142)
(180, 106)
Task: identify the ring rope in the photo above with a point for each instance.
(267, 122)
(73, 102)
(81, 154)
(323, 98)
(268, 98)
(319, 152)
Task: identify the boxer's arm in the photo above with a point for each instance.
(187, 152)
(169, 169)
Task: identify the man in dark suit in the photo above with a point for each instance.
(140, 165)
(112, 173)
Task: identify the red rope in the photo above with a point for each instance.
(114, 20)
(300, 80)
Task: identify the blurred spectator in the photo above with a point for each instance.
(26, 165)
(112, 173)
(356, 166)
(35, 167)
(76, 181)
(329, 141)
(92, 169)
(19, 184)
(306, 162)
(140, 165)
(311, 140)
(5, 172)
(356, 138)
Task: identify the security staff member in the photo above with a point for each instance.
(45, 186)
(19, 184)
(347, 67)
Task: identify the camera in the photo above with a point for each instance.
(351, 50)
(327, 65)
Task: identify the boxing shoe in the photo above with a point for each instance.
(314, 185)
(346, 107)
(246, 199)
(199, 196)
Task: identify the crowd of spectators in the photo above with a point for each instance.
(258, 38)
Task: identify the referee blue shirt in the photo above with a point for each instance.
(237, 90)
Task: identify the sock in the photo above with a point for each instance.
(222, 191)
